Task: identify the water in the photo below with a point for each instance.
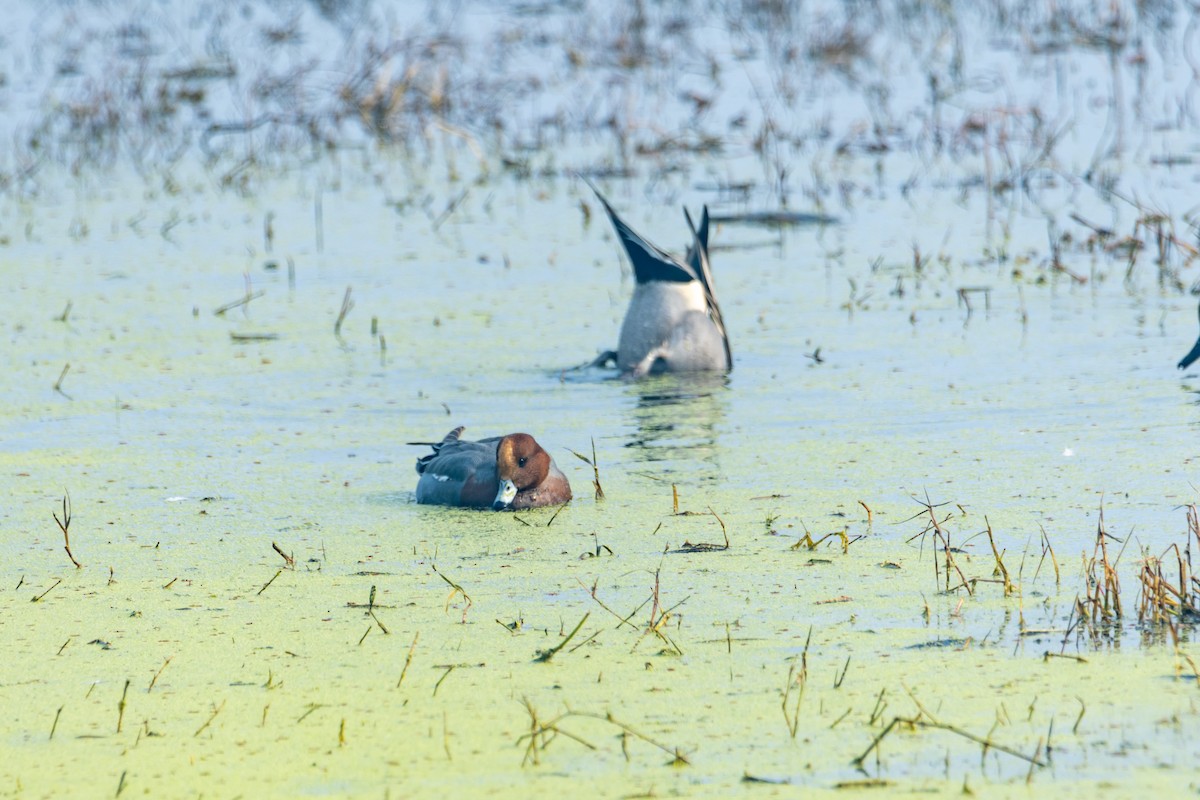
(863, 387)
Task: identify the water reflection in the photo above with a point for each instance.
(674, 426)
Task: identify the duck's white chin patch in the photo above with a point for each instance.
(508, 490)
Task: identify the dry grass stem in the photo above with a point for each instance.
(620, 620)
(347, 304)
(920, 722)
(542, 733)
(659, 617)
(64, 524)
(408, 660)
(455, 591)
(595, 465)
(289, 560)
(58, 383)
(245, 299)
(54, 725)
(1000, 570)
(216, 710)
(544, 656)
(121, 706)
(935, 527)
(798, 679)
(37, 598)
(265, 585)
(154, 680)
(1161, 600)
(1047, 548)
(809, 543)
(704, 547)
(1102, 602)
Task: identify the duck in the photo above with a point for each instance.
(1192, 355)
(500, 472)
(673, 323)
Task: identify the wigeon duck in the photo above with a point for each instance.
(1192, 355)
(500, 472)
(673, 323)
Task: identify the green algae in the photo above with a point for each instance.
(400, 651)
(188, 455)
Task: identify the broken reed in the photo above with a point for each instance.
(1169, 588)
(797, 679)
(934, 527)
(542, 733)
(945, 563)
(1103, 591)
(1161, 600)
(64, 525)
(595, 465)
(660, 617)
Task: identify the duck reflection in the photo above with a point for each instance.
(674, 424)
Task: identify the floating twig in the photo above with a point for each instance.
(253, 337)
(705, 547)
(919, 722)
(220, 310)
(58, 383)
(265, 585)
(37, 598)
(541, 734)
(311, 708)
(544, 656)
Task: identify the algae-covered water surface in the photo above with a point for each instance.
(932, 534)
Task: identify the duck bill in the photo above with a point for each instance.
(504, 497)
(1192, 355)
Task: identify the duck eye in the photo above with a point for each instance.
(521, 461)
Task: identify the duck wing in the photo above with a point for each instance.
(448, 440)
